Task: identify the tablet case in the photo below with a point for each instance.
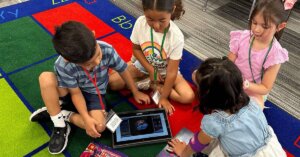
(158, 140)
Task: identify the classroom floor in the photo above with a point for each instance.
(19, 70)
(208, 36)
(4, 3)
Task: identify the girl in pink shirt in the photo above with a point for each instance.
(257, 52)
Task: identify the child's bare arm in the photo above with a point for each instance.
(231, 56)
(172, 71)
(267, 82)
(80, 104)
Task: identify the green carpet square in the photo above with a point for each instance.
(28, 84)
(25, 42)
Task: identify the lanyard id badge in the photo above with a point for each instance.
(94, 81)
(249, 59)
(112, 121)
(155, 95)
(162, 43)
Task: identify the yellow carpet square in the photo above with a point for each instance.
(18, 135)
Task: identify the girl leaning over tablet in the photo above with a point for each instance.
(233, 114)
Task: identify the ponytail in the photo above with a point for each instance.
(179, 11)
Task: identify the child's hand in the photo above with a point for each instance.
(165, 103)
(141, 98)
(90, 127)
(177, 146)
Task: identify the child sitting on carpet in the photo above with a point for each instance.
(80, 79)
(157, 49)
(257, 52)
(233, 124)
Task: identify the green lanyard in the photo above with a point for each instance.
(161, 49)
(262, 68)
(155, 78)
(162, 43)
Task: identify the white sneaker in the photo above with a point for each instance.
(144, 84)
(40, 115)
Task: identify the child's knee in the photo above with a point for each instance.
(47, 79)
(185, 97)
(188, 97)
(194, 76)
(115, 82)
(116, 85)
(99, 116)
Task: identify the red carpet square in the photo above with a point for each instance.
(55, 17)
(288, 154)
(122, 45)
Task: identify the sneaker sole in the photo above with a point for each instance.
(66, 142)
(143, 84)
(37, 112)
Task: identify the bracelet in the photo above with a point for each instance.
(246, 84)
(195, 144)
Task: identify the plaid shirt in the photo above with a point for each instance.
(71, 75)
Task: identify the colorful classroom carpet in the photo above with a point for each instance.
(26, 51)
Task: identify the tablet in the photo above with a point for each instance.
(142, 127)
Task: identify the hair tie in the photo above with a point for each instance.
(288, 4)
(195, 144)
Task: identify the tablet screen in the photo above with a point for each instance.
(142, 126)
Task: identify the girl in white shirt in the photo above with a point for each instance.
(157, 49)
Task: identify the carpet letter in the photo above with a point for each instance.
(16, 14)
(123, 25)
(54, 3)
(118, 19)
(1, 15)
(126, 25)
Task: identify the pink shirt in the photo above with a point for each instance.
(239, 45)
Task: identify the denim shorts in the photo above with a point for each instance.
(92, 102)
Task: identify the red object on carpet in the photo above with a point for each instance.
(73, 11)
(122, 45)
(288, 154)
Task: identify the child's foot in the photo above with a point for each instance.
(144, 84)
(59, 139)
(43, 115)
(40, 115)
